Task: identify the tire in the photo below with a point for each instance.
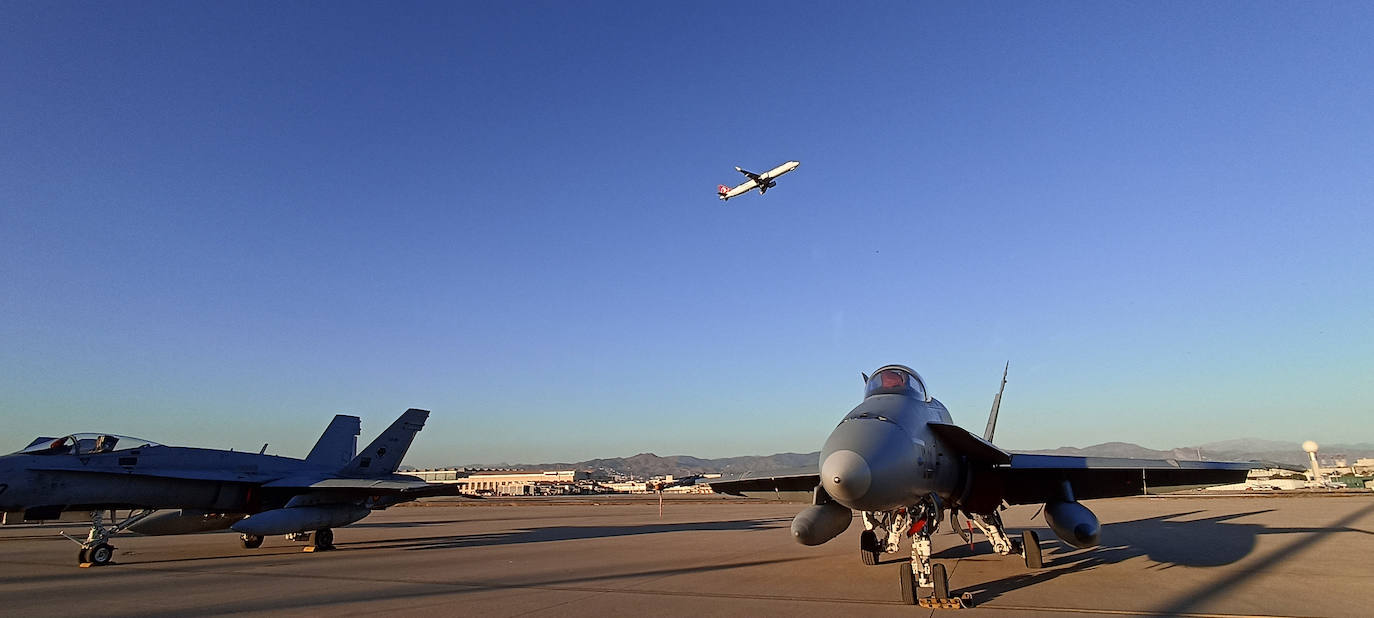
(101, 554)
(911, 593)
(251, 541)
(940, 580)
(324, 538)
(1030, 544)
(868, 548)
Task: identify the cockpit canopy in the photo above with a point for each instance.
(85, 444)
(896, 380)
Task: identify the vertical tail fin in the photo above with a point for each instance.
(384, 454)
(996, 403)
(338, 443)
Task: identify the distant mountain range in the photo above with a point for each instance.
(645, 465)
(1245, 449)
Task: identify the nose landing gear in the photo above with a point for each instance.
(922, 573)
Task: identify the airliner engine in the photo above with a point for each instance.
(300, 519)
(820, 523)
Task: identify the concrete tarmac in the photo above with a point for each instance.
(1196, 556)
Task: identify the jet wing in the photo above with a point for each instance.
(754, 484)
(752, 176)
(968, 444)
(1035, 479)
(397, 483)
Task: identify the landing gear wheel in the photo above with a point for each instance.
(101, 554)
(1030, 544)
(324, 539)
(868, 547)
(251, 541)
(911, 591)
(937, 576)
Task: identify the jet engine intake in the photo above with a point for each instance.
(184, 521)
(820, 523)
(1073, 523)
(300, 519)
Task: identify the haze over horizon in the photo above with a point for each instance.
(222, 224)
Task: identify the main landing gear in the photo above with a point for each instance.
(922, 582)
(321, 540)
(324, 539)
(1028, 546)
(883, 532)
(96, 549)
(869, 550)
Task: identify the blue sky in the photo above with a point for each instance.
(222, 224)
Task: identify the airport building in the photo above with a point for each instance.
(508, 482)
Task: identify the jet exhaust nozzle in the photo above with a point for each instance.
(184, 521)
(300, 519)
(1073, 523)
(820, 523)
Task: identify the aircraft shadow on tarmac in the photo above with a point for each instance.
(406, 524)
(529, 535)
(563, 533)
(1166, 540)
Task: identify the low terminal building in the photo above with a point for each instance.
(626, 487)
(508, 482)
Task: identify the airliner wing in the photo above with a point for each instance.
(752, 176)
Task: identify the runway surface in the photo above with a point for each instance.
(1266, 556)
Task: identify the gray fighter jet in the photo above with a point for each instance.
(901, 462)
(255, 494)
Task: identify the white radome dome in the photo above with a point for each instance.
(1309, 446)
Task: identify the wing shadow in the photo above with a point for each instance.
(1166, 540)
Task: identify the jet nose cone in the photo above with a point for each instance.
(846, 476)
(869, 465)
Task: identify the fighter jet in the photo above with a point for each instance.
(899, 460)
(254, 494)
(763, 182)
